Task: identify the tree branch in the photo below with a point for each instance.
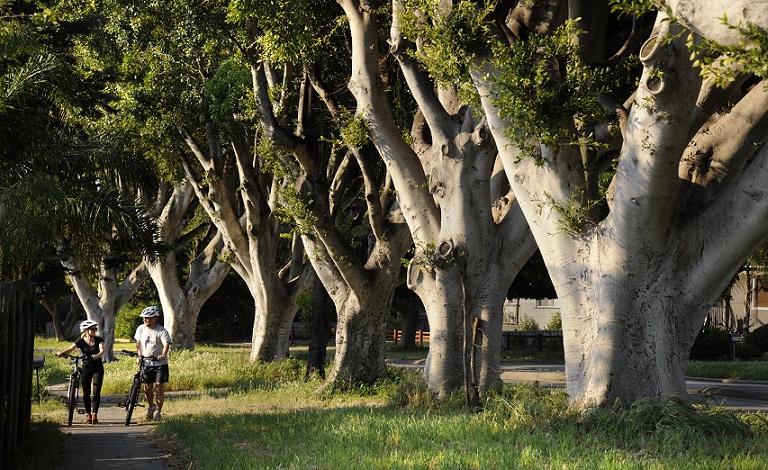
(727, 231)
(719, 154)
(421, 87)
(656, 136)
(372, 104)
(272, 128)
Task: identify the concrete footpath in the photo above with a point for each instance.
(110, 443)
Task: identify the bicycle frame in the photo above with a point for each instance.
(74, 386)
(132, 399)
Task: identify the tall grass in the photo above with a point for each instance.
(208, 368)
(522, 427)
(266, 416)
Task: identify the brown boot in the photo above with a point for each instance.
(94, 419)
(88, 419)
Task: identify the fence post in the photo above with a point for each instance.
(421, 337)
(17, 330)
(394, 337)
(5, 324)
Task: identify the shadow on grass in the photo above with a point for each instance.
(41, 448)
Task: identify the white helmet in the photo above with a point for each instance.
(87, 324)
(150, 312)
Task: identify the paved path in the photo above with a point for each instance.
(110, 443)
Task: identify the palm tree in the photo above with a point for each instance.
(59, 184)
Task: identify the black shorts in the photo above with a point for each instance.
(155, 374)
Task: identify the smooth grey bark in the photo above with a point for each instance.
(466, 256)
(182, 303)
(240, 200)
(103, 301)
(705, 17)
(689, 205)
(360, 284)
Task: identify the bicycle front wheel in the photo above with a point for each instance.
(72, 398)
(133, 398)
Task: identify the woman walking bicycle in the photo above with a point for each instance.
(92, 349)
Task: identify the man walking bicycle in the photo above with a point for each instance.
(153, 340)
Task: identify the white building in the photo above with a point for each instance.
(538, 310)
(731, 314)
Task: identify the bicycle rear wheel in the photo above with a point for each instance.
(133, 397)
(72, 398)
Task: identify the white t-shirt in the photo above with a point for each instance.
(152, 341)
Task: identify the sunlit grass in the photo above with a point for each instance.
(266, 416)
(525, 427)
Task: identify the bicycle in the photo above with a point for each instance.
(74, 386)
(132, 399)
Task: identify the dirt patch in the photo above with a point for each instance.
(176, 456)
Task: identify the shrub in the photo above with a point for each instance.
(712, 343)
(556, 322)
(127, 321)
(527, 323)
(757, 340)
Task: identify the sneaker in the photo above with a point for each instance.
(158, 416)
(151, 411)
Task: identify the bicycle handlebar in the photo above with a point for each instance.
(135, 354)
(79, 357)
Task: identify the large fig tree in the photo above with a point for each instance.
(470, 238)
(682, 167)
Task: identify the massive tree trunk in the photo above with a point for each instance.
(360, 342)
(103, 303)
(441, 293)
(240, 200)
(362, 295)
(689, 205)
(207, 270)
(445, 184)
(336, 223)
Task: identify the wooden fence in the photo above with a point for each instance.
(396, 336)
(17, 335)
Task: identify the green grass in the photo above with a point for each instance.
(266, 416)
(525, 427)
(190, 370)
(750, 370)
(39, 451)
